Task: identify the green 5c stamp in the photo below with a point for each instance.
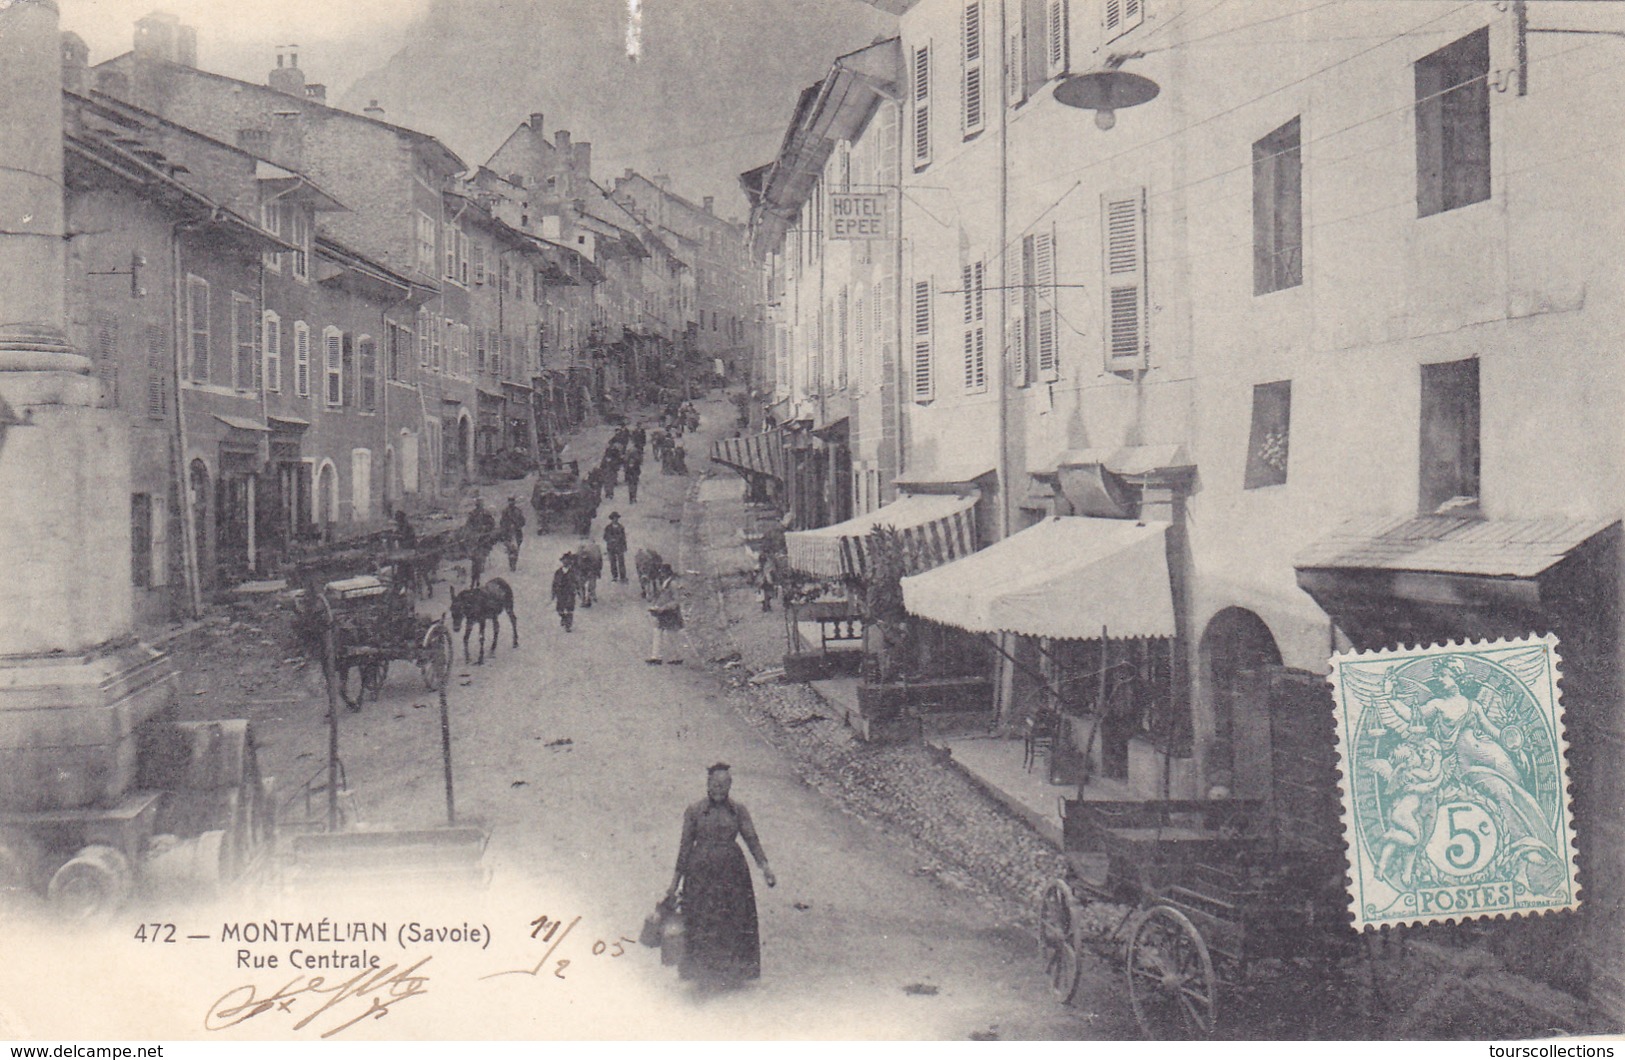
(1454, 782)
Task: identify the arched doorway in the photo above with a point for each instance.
(465, 444)
(1235, 651)
(327, 497)
(198, 497)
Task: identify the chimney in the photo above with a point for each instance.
(535, 121)
(710, 202)
(75, 63)
(373, 110)
(561, 140)
(155, 37)
(186, 46)
(288, 79)
(628, 174)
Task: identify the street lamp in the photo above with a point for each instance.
(1107, 91)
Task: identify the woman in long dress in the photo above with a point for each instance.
(721, 941)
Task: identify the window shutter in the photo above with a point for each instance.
(1048, 339)
(273, 352)
(1123, 221)
(842, 326)
(1057, 47)
(1015, 66)
(479, 263)
(333, 347)
(1120, 16)
(157, 391)
(975, 347)
(922, 341)
(301, 358)
(922, 105)
(107, 358)
(972, 111)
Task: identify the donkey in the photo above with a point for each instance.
(646, 561)
(485, 603)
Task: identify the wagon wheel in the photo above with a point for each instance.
(436, 658)
(1170, 977)
(1056, 918)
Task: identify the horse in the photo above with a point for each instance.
(647, 563)
(480, 605)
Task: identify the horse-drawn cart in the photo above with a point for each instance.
(373, 622)
(557, 494)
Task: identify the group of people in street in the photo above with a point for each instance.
(623, 457)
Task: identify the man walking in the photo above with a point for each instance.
(512, 526)
(564, 591)
(615, 545)
(478, 532)
(589, 567)
(634, 472)
(612, 470)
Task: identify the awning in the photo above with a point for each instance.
(755, 454)
(241, 423)
(1447, 560)
(936, 528)
(1066, 577)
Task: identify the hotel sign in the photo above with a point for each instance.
(861, 215)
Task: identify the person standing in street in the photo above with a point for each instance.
(615, 546)
(667, 612)
(640, 438)
(564, 591)
(512, 528)
(723, 945)
(612, 470)
(634, 472)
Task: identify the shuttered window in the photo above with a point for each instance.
(975, 342)
(1057, 45)
(141, 540)
(157, 374)
(843, 326)
(107, 359)
(861, 337)
(244, 342)
(301, 358)
(972, 113)
(1120, 16)
(1123, 221)
(367, 372)
(197, 328)
(272, 327)
(922, 383)
(480, 346)
(333, 362)
(922, 106)
(479, 263)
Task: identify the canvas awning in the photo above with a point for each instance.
(1066, 577)
(756, 454)
(935, 528)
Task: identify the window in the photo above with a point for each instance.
(399, 352)
(462, 259)
(922, 106)
(1453, 125)
(243, 342)
(843, 329)
(449, 245)
(333, 341)
(301, 358)
(1278, 211)
(479, 263)
(971, 284)
(425, 243)
(1450, 436)
(366, 366)
(298, 233)
(141, 540)
(107, 358)
(922, 341)
(480, 346)
(272, 327)
(1120, 16)
(501, 351)
(426, 326)
(1271, 431)
(1057, 42)
(971, 94)
(1123, 222)
(862, 341)
(157, 374)
(271, 221)
(1037, 339)
(197, 328)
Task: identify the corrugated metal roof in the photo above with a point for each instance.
(1506, 548)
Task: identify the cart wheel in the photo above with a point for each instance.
(1056, 917)
(93, 884)
(437, 657)
(1170, 977)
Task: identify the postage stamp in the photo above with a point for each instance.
(1455, 782)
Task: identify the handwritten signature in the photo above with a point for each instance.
(379, 989)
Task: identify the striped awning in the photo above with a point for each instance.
(935, 529)
(754, 454)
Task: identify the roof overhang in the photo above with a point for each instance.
(295, 186)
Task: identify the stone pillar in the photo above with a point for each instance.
(74, 685)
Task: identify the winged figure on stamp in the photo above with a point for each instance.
(1447, 732)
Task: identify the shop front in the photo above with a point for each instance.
(242, 454)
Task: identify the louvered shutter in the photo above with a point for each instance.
(107, 359)
(1047, 341)
(1057, 47)
(333, 362)
(972, 114)
(975, 344)
(922, 105)
(922, 341)
(301, 359)
(157, 374)
(273, 352)
(842, 330)
(1120, 16)
(1123, 222)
